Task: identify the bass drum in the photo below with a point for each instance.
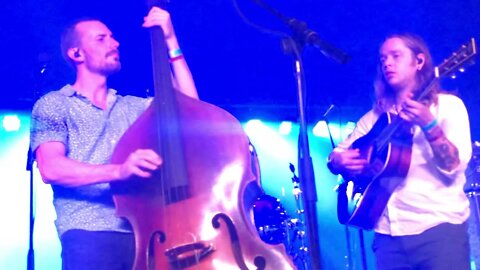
(269, 216)
(273, 223)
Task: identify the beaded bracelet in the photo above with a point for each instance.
(430, 125)
(434, 138)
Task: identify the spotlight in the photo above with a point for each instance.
(320, 129)
(253, 126)
(11, 123)
(285, 127)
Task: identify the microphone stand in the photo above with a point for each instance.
(40, 81)
(347, 230)
(31, 216)
(301, 36)
(305, 164)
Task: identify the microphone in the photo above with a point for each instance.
(308, 36)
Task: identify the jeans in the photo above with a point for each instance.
(99, 250)
(443, 247)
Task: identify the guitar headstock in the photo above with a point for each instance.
(457, 61)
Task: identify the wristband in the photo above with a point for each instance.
(176, 58)
(175, 53)
(430, 125)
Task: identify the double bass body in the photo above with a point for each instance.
(196, 215)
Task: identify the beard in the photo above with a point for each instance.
(111, 68)
(108, 67)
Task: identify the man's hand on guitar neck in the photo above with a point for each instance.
(415, 112)
(348, 163)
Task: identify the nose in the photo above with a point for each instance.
(115, 43)
(387, 61)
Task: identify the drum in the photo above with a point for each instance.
(271, 219)
(269, 216)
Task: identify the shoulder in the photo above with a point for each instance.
(446, 98)
(448, 101)
(134, 101)
(53, 99)
(450, 106)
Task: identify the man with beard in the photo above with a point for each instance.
(73, 133)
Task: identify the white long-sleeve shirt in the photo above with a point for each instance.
(428, 195)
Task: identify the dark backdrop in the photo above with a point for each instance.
(235, 65)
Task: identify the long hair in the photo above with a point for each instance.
(385, 95)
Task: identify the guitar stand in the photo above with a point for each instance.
(362, 249)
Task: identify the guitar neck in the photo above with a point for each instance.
(387, 133)
(395, 124)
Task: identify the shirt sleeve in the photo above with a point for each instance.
(363, 126)
(48, 121)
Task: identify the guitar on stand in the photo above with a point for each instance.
(362, 200)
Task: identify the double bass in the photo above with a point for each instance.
(195, 212)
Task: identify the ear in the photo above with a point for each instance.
(75, 54)
(420, 61)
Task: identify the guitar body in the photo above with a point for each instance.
(362, 199)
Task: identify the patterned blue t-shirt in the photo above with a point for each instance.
(90, 135)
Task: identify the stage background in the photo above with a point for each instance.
(237, 66)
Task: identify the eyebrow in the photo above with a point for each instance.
(390, 52)
(103, 35)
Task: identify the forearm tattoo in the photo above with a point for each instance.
(445, 153)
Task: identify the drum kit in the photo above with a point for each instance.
(276, 226)
(472, 189)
